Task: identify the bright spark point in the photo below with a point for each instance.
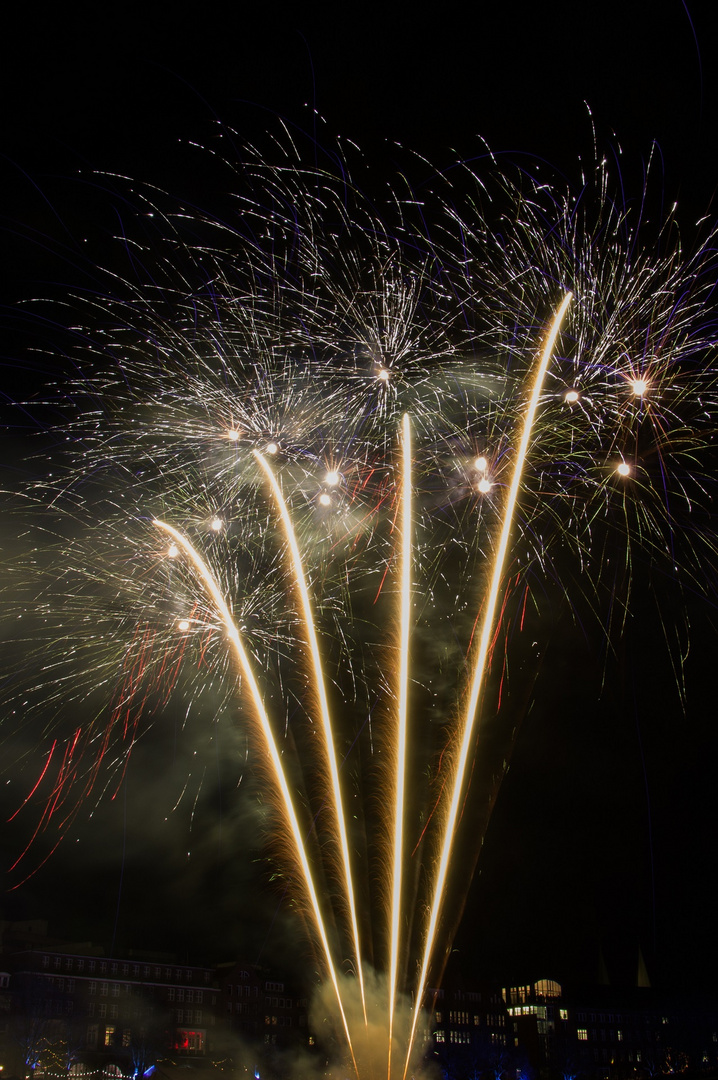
(383, 375)
(172, 551)
(639, 387)
(332, 478)
(183, 624)
(481, 464)
(216, 524)
(325, 499)
(623, 469)
(571, 397)
(484, 486)
(233, 435)
(272, 448)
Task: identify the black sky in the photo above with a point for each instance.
(603, 836)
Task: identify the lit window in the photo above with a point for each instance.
(126, 1037)
(582, 1034)
(563, 1013)
(109, 1035)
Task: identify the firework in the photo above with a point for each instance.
(313, 458)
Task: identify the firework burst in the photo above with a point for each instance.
(229, 515)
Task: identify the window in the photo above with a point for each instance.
(198, 997)
(180, 993)
(171, 993)
(582, 1034)
(619, 1035)
(126, 1037)
(192, 1042)
(113, 1012)
(103, 1011)
(190, 995)
(80, 965)
(103, 965)
(46, 961)
(563, 1014)
(113, 968)
(109, 1035)
(90, 965)
(93, 987)
(91, 1009)
(115, 989)
(92, 1031)
(103, 988)
(125, 971)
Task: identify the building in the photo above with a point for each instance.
(607, 1032)
(72, 1010)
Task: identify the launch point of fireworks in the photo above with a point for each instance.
(313, 423)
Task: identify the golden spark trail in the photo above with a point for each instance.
(402, 722)
(481, 659)
(330, 752)
(214, 591)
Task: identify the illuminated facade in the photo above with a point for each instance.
(468, 1031)
(605, 1032)
(79, 1008)
(74, 1011)
(261, 1010)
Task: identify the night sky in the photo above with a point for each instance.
(602, 840)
